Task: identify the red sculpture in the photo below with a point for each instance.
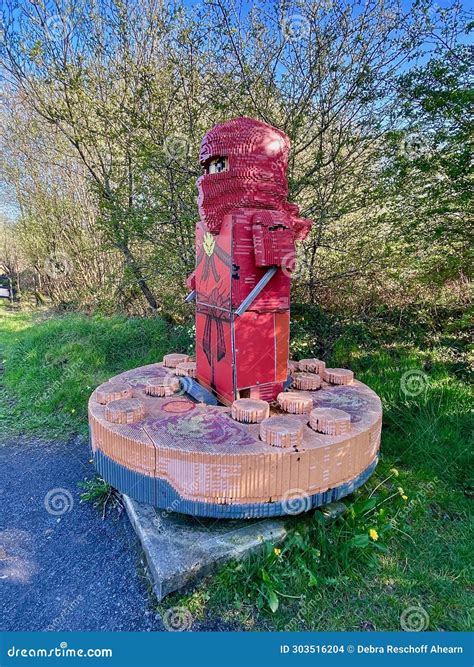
(315, 444)
(245, 251)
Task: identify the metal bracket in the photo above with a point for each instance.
(247, 302)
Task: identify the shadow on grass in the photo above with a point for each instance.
(405, 539)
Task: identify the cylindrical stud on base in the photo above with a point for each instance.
(293, 367)
(112, 391)
(186, 369)
(124, 411)
(250, 410)
(306, 381)
(295, 402)
(329, 421)
(338, 375)
(173, 359)
(165, 386)
(312, 365)
(281, 431)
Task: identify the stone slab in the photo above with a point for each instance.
(182, 549)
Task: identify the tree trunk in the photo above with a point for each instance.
(147, 293)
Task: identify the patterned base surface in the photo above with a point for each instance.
(160, 493)
(189, 457)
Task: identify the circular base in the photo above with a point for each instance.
(193, 458)
(160, 493)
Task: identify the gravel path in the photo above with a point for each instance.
(70, 571)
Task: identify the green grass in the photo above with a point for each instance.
(326, 577)
(52, 364)
(335, 577)
(99, 492)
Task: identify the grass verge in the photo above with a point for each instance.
(399, 558)
(51, 364)
(405, 539)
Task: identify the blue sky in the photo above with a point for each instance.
(7, 199)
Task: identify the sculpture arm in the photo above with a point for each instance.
(273, 238)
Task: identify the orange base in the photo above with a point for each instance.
(208, 457)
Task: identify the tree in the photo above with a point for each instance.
(126, 91)
(431, 168)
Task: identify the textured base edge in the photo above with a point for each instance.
(160, 493)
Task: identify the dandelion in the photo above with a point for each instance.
(394, 472)
(401, 491)
(276, 551)
(73, 410)
(373, 534)
(404, 497)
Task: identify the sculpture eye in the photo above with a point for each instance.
(216, 164)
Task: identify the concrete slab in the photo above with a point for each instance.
(182, 549)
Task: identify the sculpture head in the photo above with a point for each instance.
(245, 163)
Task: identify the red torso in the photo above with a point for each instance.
(247, 230)
(248, 354)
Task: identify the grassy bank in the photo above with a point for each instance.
(404, 541)
(52, 363)
(400, 556)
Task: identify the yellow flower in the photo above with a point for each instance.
(373, 534)
(401, 491)
(405, 497)
(276, 551)
(73, 410)
(394, 472)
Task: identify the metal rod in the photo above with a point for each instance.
(191, 296)
(247, 302)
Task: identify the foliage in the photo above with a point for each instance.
(327, 576)
(106, 103)
(98, 492)
(103, 108)
(432, 175)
